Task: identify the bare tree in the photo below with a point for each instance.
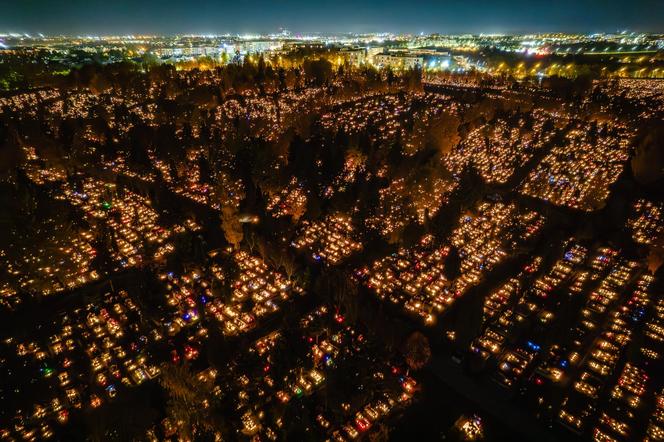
(188, 401)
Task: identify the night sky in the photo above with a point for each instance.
(74, 17)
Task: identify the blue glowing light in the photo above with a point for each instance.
(533, 346)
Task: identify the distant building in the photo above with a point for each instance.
(398, 61)
(307, 44)
(372, 52)
(258, 46)
(354, 56)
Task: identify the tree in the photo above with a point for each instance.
(444, 133)
(140, 141)
(103, 245)
(341, 290)
(230, 224)
(319, 71)
(288, 264)
(452, 264)
(417, 351)
(413, 79)
(11, 154)
(189, 401)
(252, 240)
(656, 254)
(471, 187)
(648, 162)
(297, 211)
